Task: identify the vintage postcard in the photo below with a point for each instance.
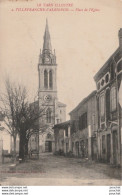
(60, 93)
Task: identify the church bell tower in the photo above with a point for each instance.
(47, 79)
(53, 111)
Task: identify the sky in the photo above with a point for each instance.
(83, 41)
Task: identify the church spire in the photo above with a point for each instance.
(47, 41)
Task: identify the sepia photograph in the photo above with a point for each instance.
(60, 93)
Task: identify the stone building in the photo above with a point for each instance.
(84, 127)
(79, 135)
(108, 81)
(53, 110)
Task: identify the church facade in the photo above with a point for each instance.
(52, 111)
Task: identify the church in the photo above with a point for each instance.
(52, 110)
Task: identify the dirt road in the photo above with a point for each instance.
(59, 170)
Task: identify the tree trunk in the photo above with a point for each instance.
(26, 147)
(22, 144)
(14, 152)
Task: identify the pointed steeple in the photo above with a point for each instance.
(47, 41)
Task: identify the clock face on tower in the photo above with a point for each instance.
(47, 98)
(47, 59)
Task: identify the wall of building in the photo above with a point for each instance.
(5, 136)
(84, 140)
(81, 142)
(61, 112)
(12, 144)
(59, 139)
(109, 122)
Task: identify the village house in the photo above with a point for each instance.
(108, 81)
(79, 135)
(84, 128)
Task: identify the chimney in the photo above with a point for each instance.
(120, 39)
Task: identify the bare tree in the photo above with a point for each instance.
(20, 117)
(11, 103)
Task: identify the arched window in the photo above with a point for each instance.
(50, 79)
(113, 99)
(46, 79)
(48, 115)
(49, 136)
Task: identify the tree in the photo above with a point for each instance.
(30, 125)
(11, 103)
(20, 117)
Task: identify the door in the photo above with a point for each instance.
(108, 148)
(115, 147)
(94, 148)
(67, 148)
(48, 146)
(103, 148)
(86, 148)
(82, 149)
(77, 148)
